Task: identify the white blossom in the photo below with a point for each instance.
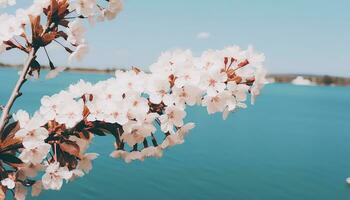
(22, 117)
(118, 153)
(54, 175)
(9, 27)
(258, 84)
(182, 132)
(116, 112)
(70, 115)
(131, 156)
(85, 162)
(130, 81)
(8, 182)
(79, 52)
(136, 131)
(80, 88)
(50, 105)
(53, 73)
(216, 103)
(214, 82)
(85, 8)
(173, 116)
(188, 76)
(138, 106)
(189, 95)
(158, 90)
(33, 137)
(152, 152)
(171, 140)
(76, 32)
(178, 137)
(35, 154)
(114, 8)
(172, 61)
(96, 109)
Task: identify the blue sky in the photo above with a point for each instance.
(299, 36)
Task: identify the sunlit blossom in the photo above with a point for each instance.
(54, 176)
(8, 182)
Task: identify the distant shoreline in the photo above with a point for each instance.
(67, 69)
(316, 79)
(278, 78)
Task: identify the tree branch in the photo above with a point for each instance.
(16, 91)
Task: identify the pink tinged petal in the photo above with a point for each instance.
(117, 154)
(123, 119)
(20, 191)
(156, 99)
(225, 114)
(21, 133)
(36, 188)
(211, 91)
(45, 101)
(91, 156)
(220, 87)
(9, 183)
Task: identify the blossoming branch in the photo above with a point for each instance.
(31, 30)
(130, 107)
(144, 112)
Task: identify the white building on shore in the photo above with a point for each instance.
(299, 80)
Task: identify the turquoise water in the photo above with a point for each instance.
(293, 144)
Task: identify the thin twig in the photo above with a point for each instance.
(16, 91)
(47, 54)
(55, 151)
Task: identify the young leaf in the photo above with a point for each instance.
(97, 131)
(70, 147)
(11, 160)
(10, 130)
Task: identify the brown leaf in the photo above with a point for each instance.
(11, 160)
(63, 8)
(172, 79)
(62, 34)
(231, 73)
(34, 69)
(236, 79)
(97, 131)
(54, 6)
(84, 135)
(243, 63)
(10, 44)
(86, 112)
(70, 147)
(52, 12)
(48, 37)
(64, 23)
(10, 143)
(37, 28)
(136, 70)
(10, 130)
(2, 193)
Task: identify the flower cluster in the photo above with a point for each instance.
(132, 106)
(144, 112)
(63, 25)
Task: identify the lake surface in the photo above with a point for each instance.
(293, 144)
